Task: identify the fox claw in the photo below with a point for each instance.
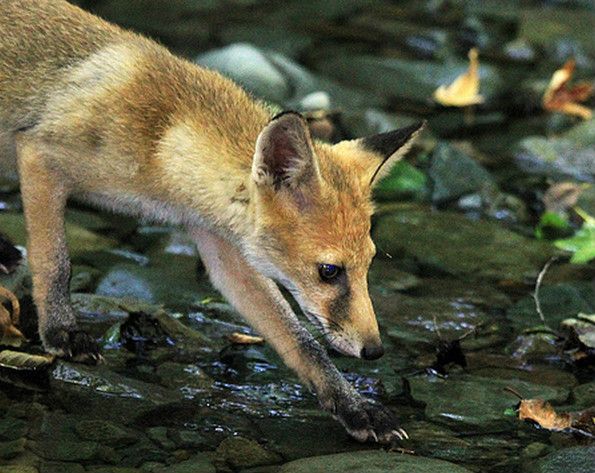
(72, 344)
(368, 421)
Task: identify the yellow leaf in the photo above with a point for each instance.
(464, 91)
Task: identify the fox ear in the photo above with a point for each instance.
(284, 156)
(391, 146)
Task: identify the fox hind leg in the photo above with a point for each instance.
(44, 195)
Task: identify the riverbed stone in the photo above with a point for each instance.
(105, 432)
(558, 302)
(465, 401)
(67, 450)
(240, 452)
(396, 78)
(568, 460)
(61, 467)
(79, 239)
(570, 154)
(12, 448)
(450, 243)
(371, 461)
(19, 469)
(454, 174)
(249, 67)
(198, 463)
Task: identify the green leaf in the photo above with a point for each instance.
(404, 181)
(552, 225)
(582, 244)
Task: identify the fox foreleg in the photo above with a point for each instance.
(44, 196)
(261, 303)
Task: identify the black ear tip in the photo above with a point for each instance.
(389, 142)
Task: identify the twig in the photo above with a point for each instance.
(538, 286)
(513, 391)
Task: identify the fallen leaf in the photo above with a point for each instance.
(9, 334)
(558, 97)
(24, 361)
(544, 414)
(238, 338)
(464, 91)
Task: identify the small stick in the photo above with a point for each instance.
(513, 391)
(538, 286)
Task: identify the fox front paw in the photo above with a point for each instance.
(71, 344)
(369, 421)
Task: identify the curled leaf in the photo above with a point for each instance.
(9, 334)
(464, 90)
(559, 97)
(544, 414)
(238, 338)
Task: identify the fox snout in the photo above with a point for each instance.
(372, 351)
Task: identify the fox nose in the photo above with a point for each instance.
(372, 352)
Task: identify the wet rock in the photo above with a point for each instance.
(68, 451)
(572, 154)
(477, 250)
(454, 174)
(188, 439)
(170, 281)
(535, 450)
(568, 460)
(399, 79)
(303, 83)
(543, 26)
(558, 302)
(584, 395)
(105, 432)
(318, 432)
(472, 401)
(106, 394)
(12, 429)
(178, 23)
(83, 278)
(79, 239)
(249, 67)
(372, 461)
(534, 346)
(282, 40)
(19, 469)
(240, 452)
(183, 375)
(11, 449)
(159, 436)
(200, 462)
(59, 467)
(141, 452)
(112, 469)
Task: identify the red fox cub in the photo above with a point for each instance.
(104, 115)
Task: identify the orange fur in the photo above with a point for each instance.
(104, 115)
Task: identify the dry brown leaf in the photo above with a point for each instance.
(245, 339)
(544, 414)
(464, 91)
(558, 97)
(9, 334)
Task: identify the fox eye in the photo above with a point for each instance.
(329, 272)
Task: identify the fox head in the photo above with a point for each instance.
(312, 210)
